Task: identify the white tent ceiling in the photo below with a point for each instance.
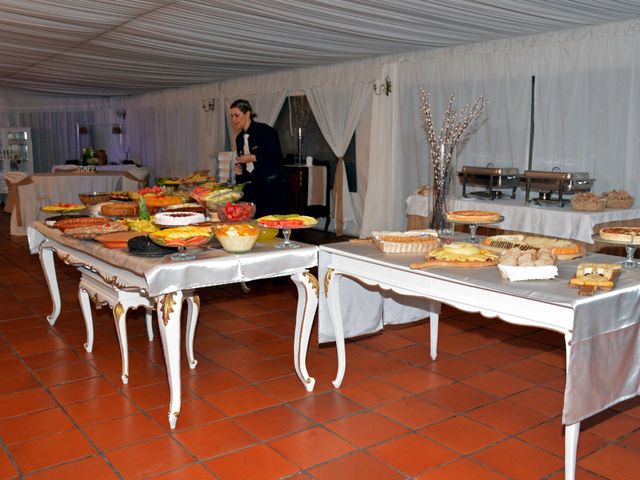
(120, 47)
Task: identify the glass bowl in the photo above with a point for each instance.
(236, 211)
(237, 237)
(267, 234)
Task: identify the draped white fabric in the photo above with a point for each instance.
(124, 47)
(337, 111)
(587, 112)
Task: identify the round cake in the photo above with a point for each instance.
(473, 216)
(630, 235)
(177, 219)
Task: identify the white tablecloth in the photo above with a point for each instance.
(552, 221)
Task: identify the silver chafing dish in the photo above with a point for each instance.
(554, 182)
(492, 179)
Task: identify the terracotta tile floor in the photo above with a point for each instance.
(488, 408)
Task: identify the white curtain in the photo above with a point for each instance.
(337, 111)
(588, 108)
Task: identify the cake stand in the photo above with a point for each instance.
(473, 226)
(182, 245)
(629, 248)
(286, 234)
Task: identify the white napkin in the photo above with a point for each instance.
(246, 151)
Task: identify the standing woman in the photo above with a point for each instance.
(259, 161)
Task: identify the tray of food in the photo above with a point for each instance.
(535, 264)
(178, 219)
(591, 277)
(412, 241)
(63, 208)
(458, 255)
(561, 248)
(117, 239)
(92, 231)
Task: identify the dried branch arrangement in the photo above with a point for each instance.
(453, 127)
(442, 146)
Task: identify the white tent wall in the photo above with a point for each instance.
(587, 112)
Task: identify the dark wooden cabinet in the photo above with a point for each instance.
(298, 178)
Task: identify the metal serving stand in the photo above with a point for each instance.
(492, 179)
(552, 186)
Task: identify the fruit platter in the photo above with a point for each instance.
(287, 223)
(182, 238)
(213, 195)
(63, 207)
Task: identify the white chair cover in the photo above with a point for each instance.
(28, 206)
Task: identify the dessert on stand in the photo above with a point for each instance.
(286, 223)
(473, 218)
(629, 237)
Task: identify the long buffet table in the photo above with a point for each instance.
(601, 332)
(553, 221)
(164, 281)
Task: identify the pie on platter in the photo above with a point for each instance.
(412, 241)
(460, 255)
(628, 235)
(473, 216)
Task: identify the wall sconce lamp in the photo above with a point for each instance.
(209, 105)
(116, 130)
(121, 114)
(381, 88)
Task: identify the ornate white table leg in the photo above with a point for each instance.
(169, 307)
(85, 307)
(148, 319)
(49, 269)
(120, 319)
(434, 318)
(571, 432)
(332, 291)
(307, 286)
(193, 310)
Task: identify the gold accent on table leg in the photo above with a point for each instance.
(94, 298)
(327, 279)
(313, 281)
(119, 310)
(64, 257)
(196, 300)
(166, 304)
(175, 414)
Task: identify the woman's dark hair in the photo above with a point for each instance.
(244, 106)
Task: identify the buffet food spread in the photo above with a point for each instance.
(154, 221)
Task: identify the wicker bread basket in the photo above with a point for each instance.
(589, 202)
(414, 241)
(618, 199)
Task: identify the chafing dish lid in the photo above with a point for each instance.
(556, 175)
(470, 170)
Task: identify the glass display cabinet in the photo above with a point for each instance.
(16, 153)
